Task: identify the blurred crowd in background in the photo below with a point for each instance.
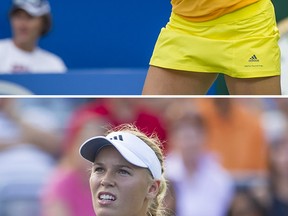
(224, 157)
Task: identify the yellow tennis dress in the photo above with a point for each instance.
(238, 38)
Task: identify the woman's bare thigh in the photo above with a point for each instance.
(161, 81)
(254, 86)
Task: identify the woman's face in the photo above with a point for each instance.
(26, 29)
(118, 187)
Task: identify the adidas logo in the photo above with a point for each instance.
(253, 58)
(119, 137)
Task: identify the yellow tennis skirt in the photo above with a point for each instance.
(241, 44)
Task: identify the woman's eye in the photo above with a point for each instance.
(124, 172)
(98, 170)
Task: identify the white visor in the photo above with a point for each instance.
(33, 7)
(132, 148)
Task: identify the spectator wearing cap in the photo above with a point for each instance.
(30, 20)
(127, 173)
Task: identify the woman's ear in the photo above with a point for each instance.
(153, 189)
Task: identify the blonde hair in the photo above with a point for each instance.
(156, 207)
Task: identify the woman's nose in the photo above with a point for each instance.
(107, 180)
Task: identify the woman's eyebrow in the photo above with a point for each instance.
(117, 166)
(98, 164)
(124, 166)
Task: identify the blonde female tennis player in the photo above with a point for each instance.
(203, 38)
(127, 173)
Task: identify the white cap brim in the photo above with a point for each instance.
(132, 148)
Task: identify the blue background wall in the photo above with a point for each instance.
(97, 34)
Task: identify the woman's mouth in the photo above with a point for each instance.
(106, 198)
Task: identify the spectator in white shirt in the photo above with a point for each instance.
(30, 20)
(199, 184)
